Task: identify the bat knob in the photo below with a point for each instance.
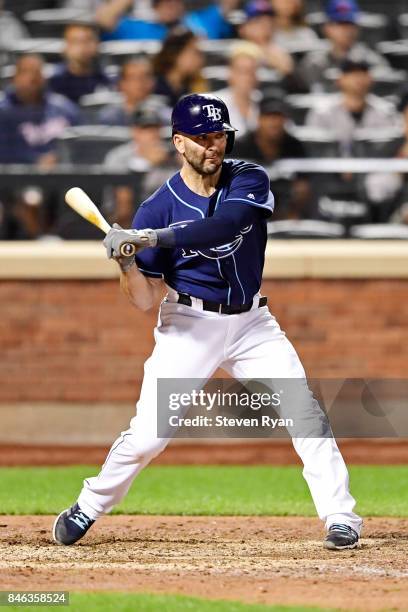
(128, 249)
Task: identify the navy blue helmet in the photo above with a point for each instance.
(202, 114)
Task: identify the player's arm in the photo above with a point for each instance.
(142, 291)
(221, 228)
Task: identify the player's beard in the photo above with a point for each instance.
(204, 167)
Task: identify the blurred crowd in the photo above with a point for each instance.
(91, 84)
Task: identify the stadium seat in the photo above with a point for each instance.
(70, 226)
(390, 7)
(403, 25)
(374, 26)
(91, 104)
(380, 231)
(298, 49)
(89, 144)
(376, 143)
(343, 208)
(6, 75)
(217, 77)
(301, 104)
(216, 52)
(304, 229)
(194, 5)
(386, 81)
(396, 52)
(43, 23)
(117, 50)
(341, 198)
(318, 143)
(50, 48)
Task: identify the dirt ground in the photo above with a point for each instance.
(253, 559)
(262, 559)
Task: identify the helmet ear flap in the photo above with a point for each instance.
(230, 142)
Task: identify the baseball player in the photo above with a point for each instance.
(203, 235)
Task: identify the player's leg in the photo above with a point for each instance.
(189, 344)
(260, 350)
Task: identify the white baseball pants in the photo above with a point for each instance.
(192, 343)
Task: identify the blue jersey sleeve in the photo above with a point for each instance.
(149, 261)
(250, 185)
(223, 227)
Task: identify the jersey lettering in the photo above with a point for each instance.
(218, 252)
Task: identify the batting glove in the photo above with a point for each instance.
(117, 237)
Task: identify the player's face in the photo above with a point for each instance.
(205, 152)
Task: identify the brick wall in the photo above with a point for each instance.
(81, 341)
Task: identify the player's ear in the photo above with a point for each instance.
(178, 141)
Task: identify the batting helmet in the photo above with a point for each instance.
(202, 114)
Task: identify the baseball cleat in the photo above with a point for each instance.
(340, 537)
(71, 525)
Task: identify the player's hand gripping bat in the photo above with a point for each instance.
(79, 201)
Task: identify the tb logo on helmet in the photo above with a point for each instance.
(213, 112)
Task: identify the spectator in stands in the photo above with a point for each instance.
(212, 21)
(178, 65)
(146, 153)
(113, 16)
(341, 30)
(136, 83)
(401, 148)
(270, 142)
(388, 189)
(80, 74)
(11, 31)
(20, 7)
(122, 20)
(291, 30)
(31, 118)
(85, 6)
(258, 28)
(353, 108)
(242, 96)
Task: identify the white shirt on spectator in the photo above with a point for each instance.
(331, 116)
(141, 8)
(302, 36)
(238, 121)
(11, 30)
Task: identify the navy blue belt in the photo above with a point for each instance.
(185, 299)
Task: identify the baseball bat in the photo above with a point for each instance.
(79, 201)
